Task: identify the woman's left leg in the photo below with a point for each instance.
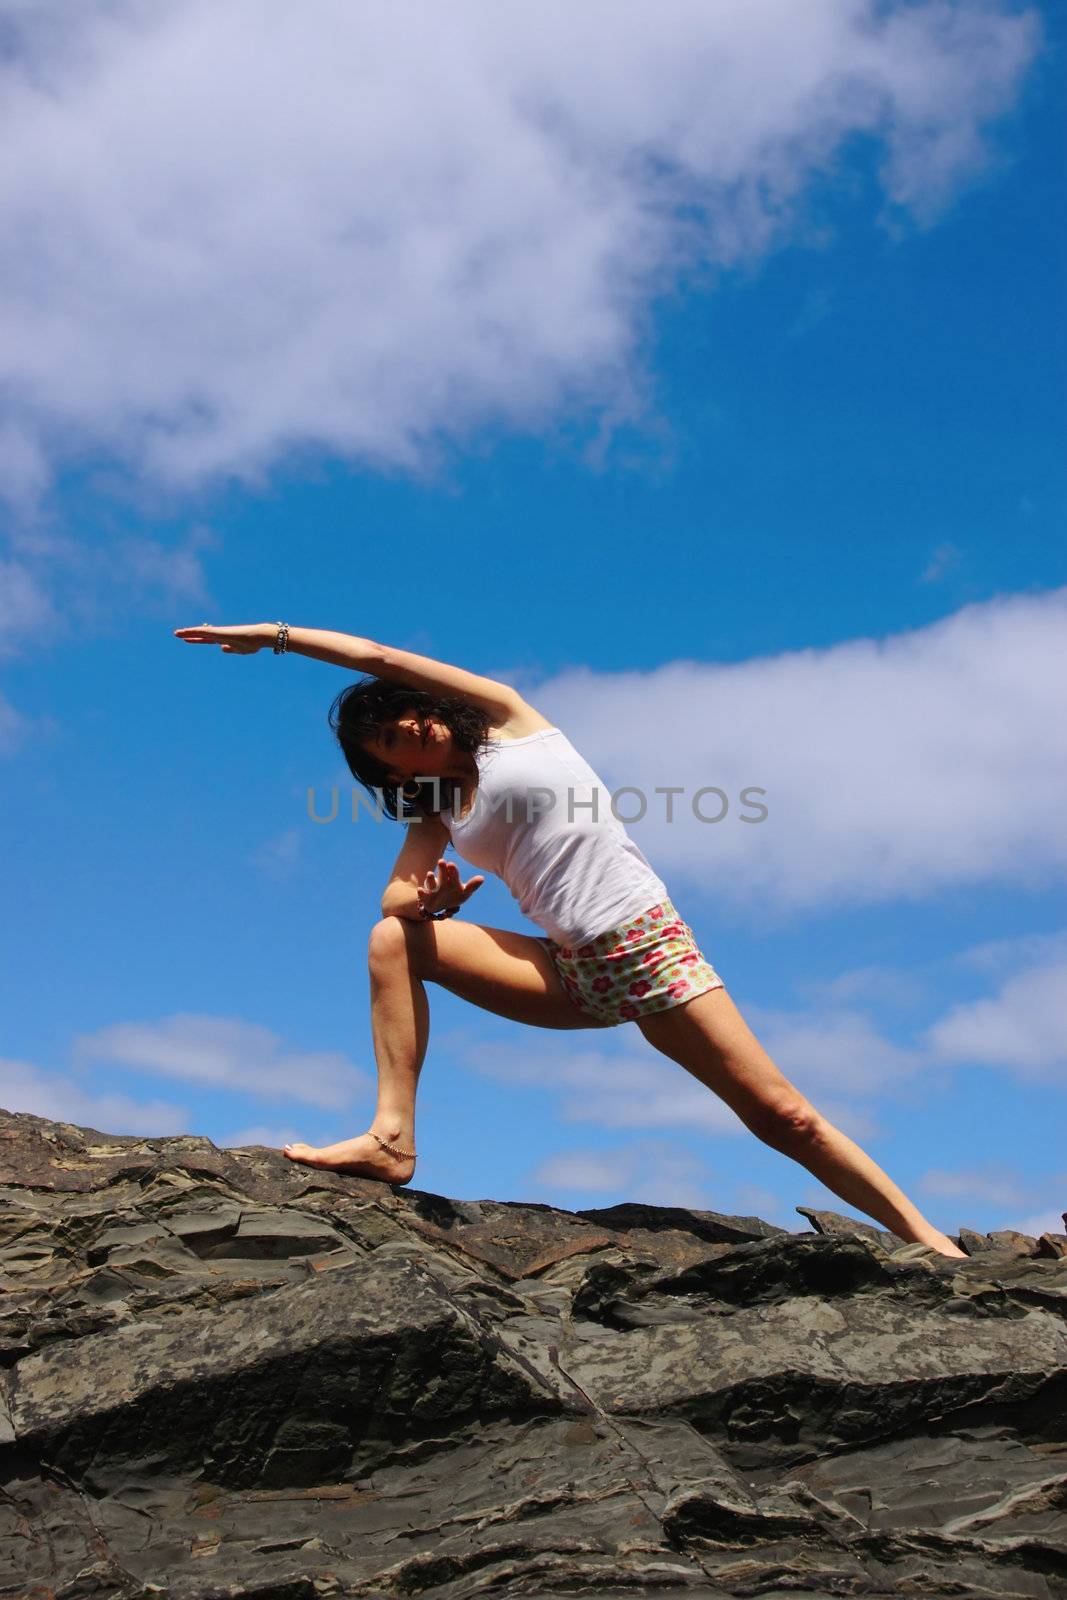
(709, 1037)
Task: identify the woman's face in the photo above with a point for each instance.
(411, 746)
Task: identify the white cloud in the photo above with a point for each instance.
(238, 229)
(660, 1173)
(1033, 1203)
(994, 1183)
(227, 1053)
(27, 607)
(1039, 1222)
(836, 1054)
(999, 957)
(25, 1087)
(165, 573)
(877, 985)
(1022, 1029)
(24, 469)
(597, 1171)
(754, 1200)
(628, 1084)
(840, 1050)
(894, 768)
(54, 586)
(651, 1171)
(623, 1085)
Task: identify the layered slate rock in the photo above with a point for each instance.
(228, 1375)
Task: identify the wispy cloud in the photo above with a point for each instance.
(1022, 1028)
(815, 309)
(57, 584)
(999, 958)
(997, 1184)
(653, 1171)
(28, 606)
(166, 573)
(878, 986)
(56, 1095)
(835, 1050)
(279, 856)
(227, 1053)
(624, 1084)
(361, 229)
(1036, 1223)
(1029, 1204)
(840, 1061)
(840, 1050)
(944, 560)
(14, 726)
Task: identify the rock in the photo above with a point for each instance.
(709, 1225)
(228, 1375)
(833, 1222)
(1052, 1244)
(1018, 1244)
(974, 1243)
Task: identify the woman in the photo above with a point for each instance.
(468, 761)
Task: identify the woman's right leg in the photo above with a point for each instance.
(511, 974)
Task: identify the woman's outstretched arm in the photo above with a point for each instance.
(402, 666)
(363, 655)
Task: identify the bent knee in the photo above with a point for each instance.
(388, 941)
(787, 1124)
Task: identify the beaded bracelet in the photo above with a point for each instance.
(281, 643)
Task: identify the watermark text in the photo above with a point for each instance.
(629, 804)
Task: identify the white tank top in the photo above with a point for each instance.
(574, 869)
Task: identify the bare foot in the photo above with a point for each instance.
(944, 1246)
(361, 1157)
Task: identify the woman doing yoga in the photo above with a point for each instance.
(467, 761)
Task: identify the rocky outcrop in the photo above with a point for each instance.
(227, 1375)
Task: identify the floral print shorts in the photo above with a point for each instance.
(649, 964)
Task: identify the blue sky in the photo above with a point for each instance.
(729, 429)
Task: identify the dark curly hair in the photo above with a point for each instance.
(363, 708)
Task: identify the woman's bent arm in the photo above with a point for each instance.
(424, 843)
(420, 872)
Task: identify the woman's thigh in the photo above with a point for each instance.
(711, 1039)
(509, 973)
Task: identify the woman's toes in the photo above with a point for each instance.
(360, 1157)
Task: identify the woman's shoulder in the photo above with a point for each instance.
(522, 719)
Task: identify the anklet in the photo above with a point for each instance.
(392, 1149)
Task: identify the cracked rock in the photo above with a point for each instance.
(223, 1374)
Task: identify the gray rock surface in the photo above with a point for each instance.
(228, 1375)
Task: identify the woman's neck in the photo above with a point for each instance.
(461, 766)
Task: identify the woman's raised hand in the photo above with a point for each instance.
(244, 640)
(442, 889)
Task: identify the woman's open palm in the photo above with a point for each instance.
(442, 888)
(243, 640)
